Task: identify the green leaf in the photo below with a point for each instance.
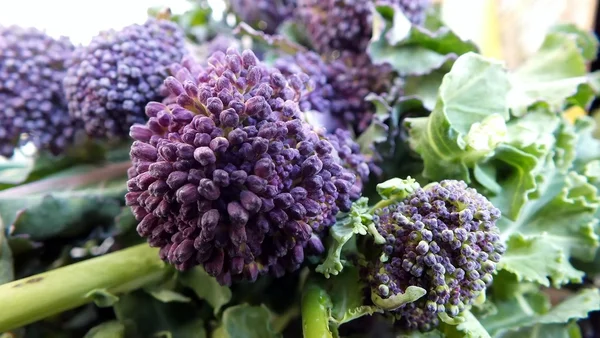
(411, 294)
(468, 327)
(585, 40)
(166, 296)
(412, 50)
(588, 147)
(463, 129)
(378, 131)
(397, 188)
(570, 330)
(102, 297)
(63, 212)
(206, 287)
(560, 223)
(551, 75)
(425, 87)
(144, 316)
(512, 174)
(6, 258)
(346, 293)
(575, 307)
(532, 310)
(112, 329)
(357, 221)
(534, 260)
(246, 321)
(279, 42)
(516, 312)
(16, 169)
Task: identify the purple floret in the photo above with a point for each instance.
(338, 88)
(110, 81)
(228, 175)
(346, 25)
(442, 238)
(265, 15)
(32, 66)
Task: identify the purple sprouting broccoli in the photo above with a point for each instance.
(346, 25)
(229, 176)
(442, 238)
(110, 81)
(32, 66)
(352, 159)
(339, 87)
(265, 15)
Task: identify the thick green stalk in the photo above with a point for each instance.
(33, 298)
(315, 316)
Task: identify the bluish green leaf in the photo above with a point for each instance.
(112, 329)
(463, 129)
(206, 287)
(588, 146)
(66, 204)
(16, 169)
(425, 87)
(102, 297)
(167, 296)
(246, 321)
(469, 327)
(585, 40)
(144, 316)
(518, 181)
(570, 330)
(378, 131)
(560, 223)
(534, 310)
(412, 50)
(532, 259)
(276, 41)
(551, 75)
(6, 258)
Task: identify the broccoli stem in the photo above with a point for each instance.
(36, 297)
(315, 317)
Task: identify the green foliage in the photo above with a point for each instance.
(534, 311)
(462, 129)
(246, 321)
(112, 329)
(555, 73)
(206, 288)
(144, 316)
(409, 49)
(43, 213)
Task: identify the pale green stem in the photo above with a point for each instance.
(315, 316)
(34, 298)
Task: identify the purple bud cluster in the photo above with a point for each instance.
(338, 88)
(228, 175)
(265, 15)
(32, 66)
(442, 238)
(346, 25)
(355, 161)
(111, 79)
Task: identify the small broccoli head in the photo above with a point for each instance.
(109, 81)
(442, 238)
(346, 25)
(266, 15)
(32, 103)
